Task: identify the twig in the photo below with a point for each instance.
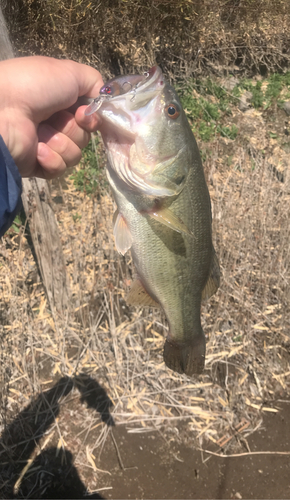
(236, 455)
(117, 451)
(30, 461)
(119, 455)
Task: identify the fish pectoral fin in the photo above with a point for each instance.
(138, 296)
(122, 234)
(213, 281)
(169, 219)
(185, 357)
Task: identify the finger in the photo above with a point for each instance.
(50, 163)
(65, 123)
(54, 84)
(59, 143)
(89, 80)
(90, 123)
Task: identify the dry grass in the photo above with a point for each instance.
(112, 354)
(183, 36)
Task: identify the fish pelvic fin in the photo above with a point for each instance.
(213, 281)
(185, 357)
(122, 235)
(138, 296)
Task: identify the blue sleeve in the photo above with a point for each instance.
(10, 189)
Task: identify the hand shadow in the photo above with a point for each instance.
(52, 473)
(95, 397)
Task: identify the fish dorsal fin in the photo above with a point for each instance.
(213, 281)
(169, 219)
(138, 296)
(122, 234)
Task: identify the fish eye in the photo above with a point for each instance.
(172, 111)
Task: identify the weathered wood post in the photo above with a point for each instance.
(42, 222)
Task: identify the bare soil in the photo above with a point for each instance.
(156, 468)
(146, 465)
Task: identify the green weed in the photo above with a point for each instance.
(76, 217)
(206, 131)
(229, 132)
(191, 106)
(256, 90)
(210, 110)
(274, 87)
(273, 135)
(258, 95)
(208, 87)
(87, 177)
(206, 116)
(265, 98)
(17, 223)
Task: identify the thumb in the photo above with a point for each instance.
(89, 80)
(89, 123)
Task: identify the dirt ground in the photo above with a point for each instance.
(148, 464)
(154, 468)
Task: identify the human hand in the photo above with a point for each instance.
(43, 137)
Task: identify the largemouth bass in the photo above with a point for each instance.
(164, 210)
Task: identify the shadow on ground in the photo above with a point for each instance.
(52, 473)
(141, 465)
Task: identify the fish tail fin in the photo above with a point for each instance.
(185, 357)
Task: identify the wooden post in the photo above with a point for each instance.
(46, 241)
(6, 51)
(42, 222)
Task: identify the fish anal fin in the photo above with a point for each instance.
(169, 219)
(122, 234)
(138, 296)
(213, 281)
(185, 357)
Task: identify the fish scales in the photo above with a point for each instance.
(169, 234)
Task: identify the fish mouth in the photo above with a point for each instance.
(151, 82)
(153, 77)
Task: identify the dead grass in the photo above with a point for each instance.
(110, 356)
(183, 36)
